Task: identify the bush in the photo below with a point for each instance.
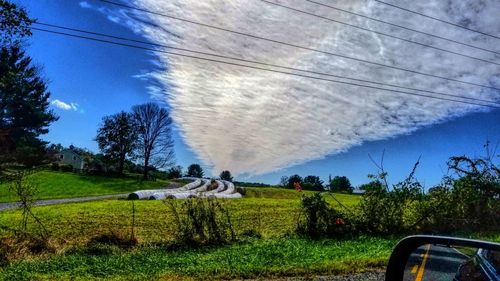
(54, 167)
(318, 219)
(66, 168)
(201, 221)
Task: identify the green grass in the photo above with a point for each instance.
(53, 185)
(258, 258)
(77, 222)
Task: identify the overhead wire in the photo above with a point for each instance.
(437, 19)
(300, 47)
(256, 62)
(259, 68)
(403, 27)
(380, 33)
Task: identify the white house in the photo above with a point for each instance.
(70, 157)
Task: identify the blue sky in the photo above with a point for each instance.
(94, 80)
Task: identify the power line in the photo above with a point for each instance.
(258, 68)
(298, 46)
(403, 27)
(258, 62)
(380, 33)
(437, 19)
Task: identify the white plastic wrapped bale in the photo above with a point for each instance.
(220, 187)
(143, 194)
(153, 193)
(203, 187)
(230, 189)
(191, 185)
(228, 196)
(183, 195)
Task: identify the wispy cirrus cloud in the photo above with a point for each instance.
(252, 121)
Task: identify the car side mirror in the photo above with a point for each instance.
(425, 258)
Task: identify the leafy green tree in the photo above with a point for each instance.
(294, 179)
(226, 175)
(195, 170)
(117, 137)
(283, 181)
(14, 24)
(339, 184)
(312, 183)
(372, 186)
(174, 172)
(154, 139)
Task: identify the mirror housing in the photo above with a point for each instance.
(399, 257)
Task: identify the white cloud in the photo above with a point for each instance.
(251, 121)
(85, 5)
(66, 106)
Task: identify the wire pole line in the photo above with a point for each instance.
(258, 62)
(436, 19)
(259, 68)
(299, 47)
(403, 27)
(380, 33)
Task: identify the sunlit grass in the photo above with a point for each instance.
(54, 185)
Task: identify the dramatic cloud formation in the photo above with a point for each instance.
(251, 121)
(66, 106)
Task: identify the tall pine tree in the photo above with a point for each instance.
(24, 99)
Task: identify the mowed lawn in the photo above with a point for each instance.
(53, 185)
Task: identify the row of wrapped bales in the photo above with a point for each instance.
(197, 188)
(190, 189)
(147, 194)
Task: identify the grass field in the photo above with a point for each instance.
(259, 258)
(53, 185)
(269, 211)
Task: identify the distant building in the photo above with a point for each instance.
(70, 157)
(358, 191)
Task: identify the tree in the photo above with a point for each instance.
(340, 184)
(294, 179)
(195, 171)
(154, 142)
(375, 185)
(14, 24)
(284, 181)
(174, 172)
(226, 175)
(117, 137)
(24, 106)
(312, 183)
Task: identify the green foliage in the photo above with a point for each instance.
(195, 170)
(340, 184)
(201, 221)
(319, 219)
(312, 183)
(24, 106)
(226, 175)
(372, 186)
(294, 179)
(117, 137)
(14, 23)
(174, 172)
(66, 168)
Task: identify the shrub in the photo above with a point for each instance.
(201, 221)
(318, 219)
(66, 168)
(54, 167)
